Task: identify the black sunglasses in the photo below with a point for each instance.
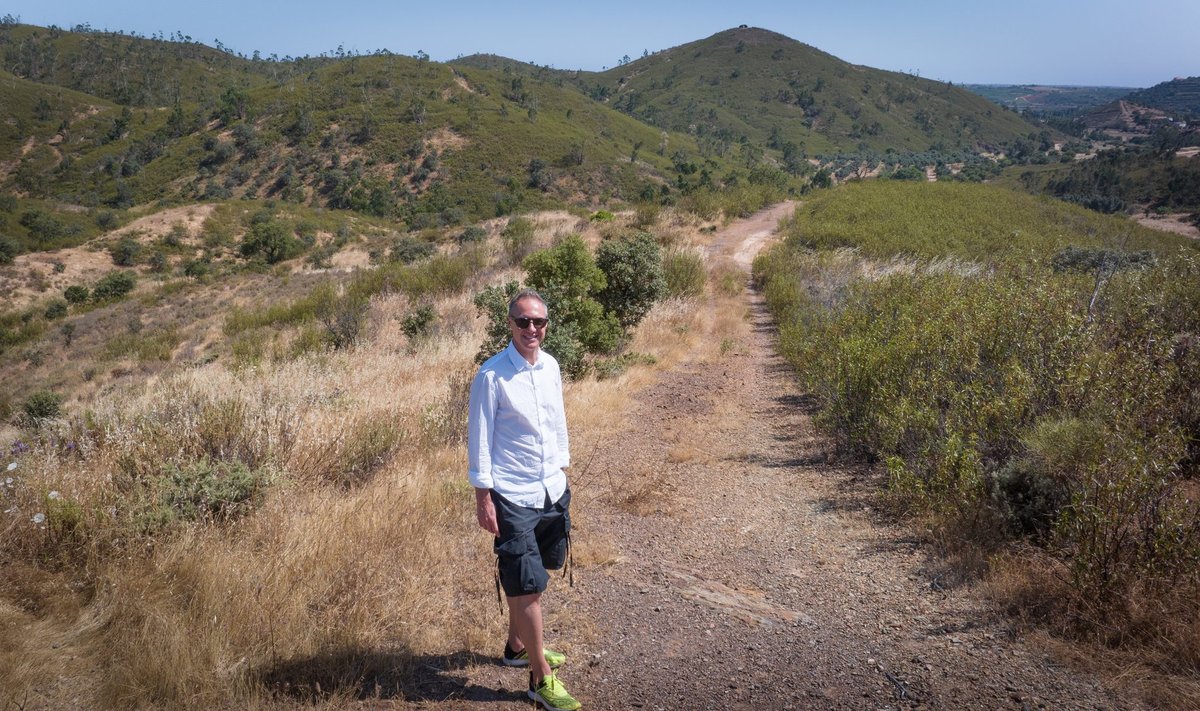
(524, 321)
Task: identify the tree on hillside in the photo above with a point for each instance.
(234, 105)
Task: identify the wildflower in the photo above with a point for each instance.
(39, 518)
(8, 481)
(55, 495)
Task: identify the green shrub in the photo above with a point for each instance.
(208, 490)
(125, 252)
(410, 249)
(42, 405)
(1028, 400)
(568, 278)
(474, 233)
(634, 279)
(683, 270)
(9, 249)
(888, 217)
(113, 286)
(197, 268)
(492, 303)
(56, 309)
(271, 240)
(419, 323)
(106, 219)
(908, 172)
(76, 294)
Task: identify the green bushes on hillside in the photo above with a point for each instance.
(1001, 403)
(1050, 399)
(883, 218)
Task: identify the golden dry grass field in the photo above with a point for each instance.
(360, 548)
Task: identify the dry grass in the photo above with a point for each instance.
(355, 548)
(1160, 634)
(360, 563)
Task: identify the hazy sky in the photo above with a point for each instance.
(1100, 42)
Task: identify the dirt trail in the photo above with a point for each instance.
(757, 575)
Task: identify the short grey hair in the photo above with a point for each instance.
(526, 294)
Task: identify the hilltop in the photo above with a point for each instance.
(753, 86)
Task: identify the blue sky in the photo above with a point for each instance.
(1101, 42)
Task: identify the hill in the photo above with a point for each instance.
(1172, 104)
(1180, 97)
(749, 86)
(130, 69)
(391, 136)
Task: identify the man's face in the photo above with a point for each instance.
(527, 339)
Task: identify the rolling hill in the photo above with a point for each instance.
(750, 86)
(391, 136)
(1180, 97)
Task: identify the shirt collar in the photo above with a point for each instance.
(518, 360)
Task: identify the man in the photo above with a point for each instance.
(517, 449)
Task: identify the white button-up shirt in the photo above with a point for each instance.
(517, 429)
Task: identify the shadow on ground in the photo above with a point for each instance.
(369, 674)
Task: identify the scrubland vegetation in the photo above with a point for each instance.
(292, 521)
(236, 471)
(1026, 373)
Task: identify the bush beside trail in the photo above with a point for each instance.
(1041, 392)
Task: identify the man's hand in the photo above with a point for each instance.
(485, 511)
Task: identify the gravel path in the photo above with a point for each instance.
(758, 576)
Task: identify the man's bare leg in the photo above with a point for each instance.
(525, 628)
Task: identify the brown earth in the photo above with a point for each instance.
(1176, 223)
(734, 562)
(36, 275)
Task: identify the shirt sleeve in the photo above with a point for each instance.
(481, 423)
(560, 424)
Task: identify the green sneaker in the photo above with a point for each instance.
(551, 694)
(521, 658)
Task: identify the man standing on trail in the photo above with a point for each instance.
(516, 452)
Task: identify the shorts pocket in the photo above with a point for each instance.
(520, 565)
